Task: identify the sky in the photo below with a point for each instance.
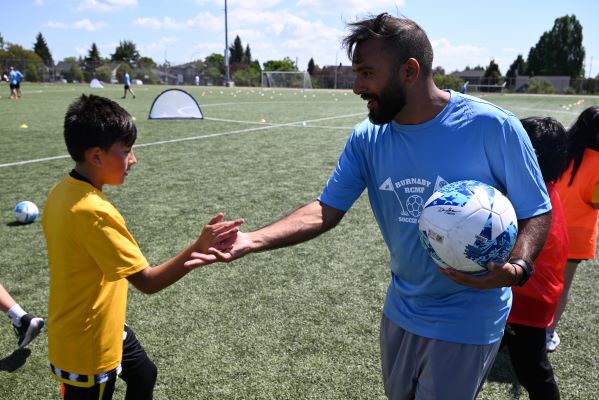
(463, 32)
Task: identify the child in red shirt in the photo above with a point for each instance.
(534, 304)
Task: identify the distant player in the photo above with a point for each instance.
(14, 78)
(127, 80)
(534, 304)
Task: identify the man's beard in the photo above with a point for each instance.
(390, 102)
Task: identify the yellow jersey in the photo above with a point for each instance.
(90, 255)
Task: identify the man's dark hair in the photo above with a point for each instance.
(582, 135)
(94, 121)
(402, 39)
(550, 141)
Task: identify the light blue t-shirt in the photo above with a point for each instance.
(127, 79)
(402, 165)
(15, 77)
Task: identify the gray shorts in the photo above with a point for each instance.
(415, 367)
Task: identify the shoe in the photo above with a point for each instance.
(552, 341)
(29, 329)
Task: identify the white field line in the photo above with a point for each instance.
(263, 126)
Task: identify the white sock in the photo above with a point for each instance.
(15, 313)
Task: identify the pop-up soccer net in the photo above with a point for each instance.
(175, 104)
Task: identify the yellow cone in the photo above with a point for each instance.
(24, 126)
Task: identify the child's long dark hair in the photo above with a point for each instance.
(582, 135)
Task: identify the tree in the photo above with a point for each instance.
(126, 52)
(492, 74)
(285, 64)
(559, 51)
(236, 51)
(40, 47)
(93, 56)
(26, 60)
(214, 67)
(518, 67)
(311, 67)
(438, 71)
(92, 62)
(2, 42)
(247, 55)
(147, 62)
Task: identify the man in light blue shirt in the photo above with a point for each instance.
(14, 79)
(127, 84)
(440, 328)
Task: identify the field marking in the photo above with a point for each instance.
(263, 126)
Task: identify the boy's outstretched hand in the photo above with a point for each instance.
(218, 234)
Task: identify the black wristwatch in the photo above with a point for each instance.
(526, 266)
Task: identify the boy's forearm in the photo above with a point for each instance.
(154, 279)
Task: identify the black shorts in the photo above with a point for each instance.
(15, 85)
(127, 87)
(137, 370)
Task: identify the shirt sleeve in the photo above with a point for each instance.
(112, 246)
(518, 169)
(347, 181)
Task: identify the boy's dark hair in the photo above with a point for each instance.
(402, 38)
(94, 121)
(550, 142)
(583, 134)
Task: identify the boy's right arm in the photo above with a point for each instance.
(216, 234)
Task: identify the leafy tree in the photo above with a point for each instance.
(448, 81)
(103, 73)
(558, 51)
(126, 52)
(2, 42)
(438, 71)
(147, 62)
(75, 72)
(247, 77)
(214, 65)
(40, 47)
(25, 60)
(540, 86)
(285, 64)
(236, 51)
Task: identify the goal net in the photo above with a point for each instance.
(286, 79)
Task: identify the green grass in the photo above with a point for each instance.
(294, 323)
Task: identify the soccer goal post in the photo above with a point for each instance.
(286, 79)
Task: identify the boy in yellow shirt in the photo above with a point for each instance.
(92, 258)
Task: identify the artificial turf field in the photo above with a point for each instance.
(294, 323)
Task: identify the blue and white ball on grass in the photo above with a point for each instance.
(26, 212)
(467, 223)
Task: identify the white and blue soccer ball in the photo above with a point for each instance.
(467, 223)
(26, 212)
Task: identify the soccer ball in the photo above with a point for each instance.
(465, 224)
(26, 212)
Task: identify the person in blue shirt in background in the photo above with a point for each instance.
(14, 79)
(127, 81)
(441, 328)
